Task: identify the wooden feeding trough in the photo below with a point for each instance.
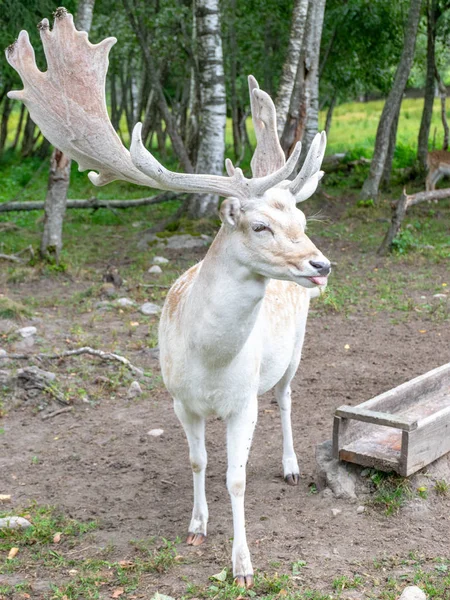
(402, 430)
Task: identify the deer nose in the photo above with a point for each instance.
(323, 267)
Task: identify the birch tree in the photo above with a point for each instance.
(212, 109)
(392, 104)
(311, 69)
(59, 177)
(291, 62)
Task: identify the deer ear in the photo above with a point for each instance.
(230, 212)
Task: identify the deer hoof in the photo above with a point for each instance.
(292, 479)
(195, 539)
(244, 581)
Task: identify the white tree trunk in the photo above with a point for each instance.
(59, 177)
(212, 116)
(291, 62)
(313, 36)
(393, 101)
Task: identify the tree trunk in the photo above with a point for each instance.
(372, 183)
(425, 124)
(59, 176)
(387, 171)
(177, 142)
(330, 114)
(55, 206)
(288, 77)
(443, 95)
(19, 127)
(312, 55)
(237, 142)
(28, 136)
(213, 110)
(7, 105)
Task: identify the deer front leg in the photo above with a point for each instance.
(290, 465)
(194, 428)
(240, 428)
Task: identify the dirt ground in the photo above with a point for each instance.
(98, 462)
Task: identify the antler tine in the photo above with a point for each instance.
(309, 174)
(268, 156)
(67, 102)
(234, 185)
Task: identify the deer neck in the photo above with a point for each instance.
(225, 302)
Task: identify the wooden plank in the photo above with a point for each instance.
(410, 392)
(376, 417)
(429, 442)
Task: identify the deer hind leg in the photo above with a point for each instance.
(291, 470)
(240, 428)
(194, 428)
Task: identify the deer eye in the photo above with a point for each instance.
(260, 227)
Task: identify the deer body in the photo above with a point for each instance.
(232, 327)
(245, 330)
(438, 163)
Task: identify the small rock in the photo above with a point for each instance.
(5, 498)
(326, 493)
(134, 390)
(360, 509)
(160, 260)
(365, 472)
(412, 592)
(155, 269)
(24, 344)
(124, 302)
(3, 352)
(26, 332)
(35, 373)
(336, 475)
(5, 379)
(440, 296)
(149, 308)
(336, 511)
(155, 432)
(14, 523)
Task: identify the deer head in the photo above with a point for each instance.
(68, 103)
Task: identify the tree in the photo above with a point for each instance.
(213, 108)
(59, 176)
(430, 84)
(291, 62)
(392, 104)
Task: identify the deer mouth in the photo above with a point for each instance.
(318, 280)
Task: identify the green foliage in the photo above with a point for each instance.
(404, 241)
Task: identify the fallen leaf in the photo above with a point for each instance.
(126, 564)
(117, 593)
(347, 346)
(268, 410)
(57, 537)
(422, 330)
(12, 553)
(5, 497)
(220, 576)
(134, 323)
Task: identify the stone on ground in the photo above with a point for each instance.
(412, 592)
(26, 332)
(149, 308)
(155, 270)
(160, 260)
(134, 390)
(334, 474)
(14, 523)
(124, 302)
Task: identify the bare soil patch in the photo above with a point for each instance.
(98, 462)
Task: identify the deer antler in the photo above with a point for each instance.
(306, 182)
(68, 103)
(234, 185)
(268, 156)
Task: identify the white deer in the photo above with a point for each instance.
(233, 325)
